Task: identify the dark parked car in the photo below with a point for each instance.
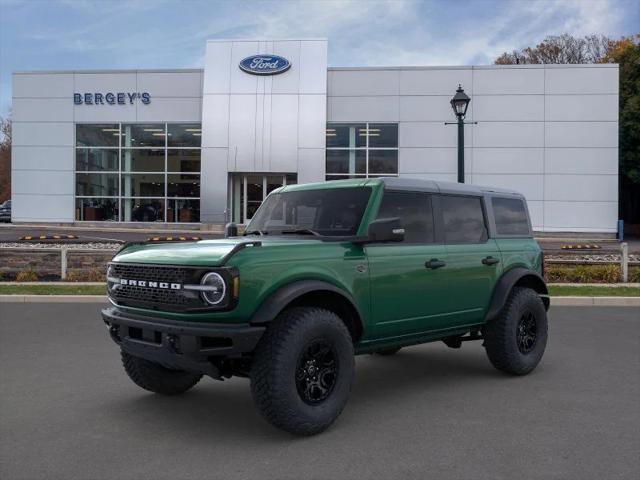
(5, 211)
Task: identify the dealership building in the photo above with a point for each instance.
(207, 145)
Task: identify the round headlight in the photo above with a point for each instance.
(215, 288)
(111, 281)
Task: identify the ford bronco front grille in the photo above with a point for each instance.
(155, 286)
(155, 272)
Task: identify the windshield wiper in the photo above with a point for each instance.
(302, 231)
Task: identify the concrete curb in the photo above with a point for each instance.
(595, 301)
(606, 285)
(555, 301)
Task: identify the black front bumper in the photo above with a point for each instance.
(188, 346)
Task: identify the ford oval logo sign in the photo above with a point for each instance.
(265, 64)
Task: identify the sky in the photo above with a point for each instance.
(108, 34)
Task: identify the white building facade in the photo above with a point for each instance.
(189, 146)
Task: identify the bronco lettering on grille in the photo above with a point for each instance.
(149, 284)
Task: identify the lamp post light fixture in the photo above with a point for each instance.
(459, 104)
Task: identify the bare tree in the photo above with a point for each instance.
(563, 48)
(5, 159)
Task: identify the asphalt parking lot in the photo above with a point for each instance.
(67, 411)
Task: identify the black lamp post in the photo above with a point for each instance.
(460, 103)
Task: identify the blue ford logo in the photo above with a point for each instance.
(265, 64)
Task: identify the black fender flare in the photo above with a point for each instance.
(277, 301)
(520, 275)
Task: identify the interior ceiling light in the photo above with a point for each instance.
(153, 129)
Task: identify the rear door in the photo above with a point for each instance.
(407, 296)
(474, 261)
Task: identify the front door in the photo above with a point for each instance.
(409, 289)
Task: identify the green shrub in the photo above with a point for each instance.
(582, 273)
(634, 274)
(27, 275)
(93, 275)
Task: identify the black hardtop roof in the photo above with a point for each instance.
(417, 184)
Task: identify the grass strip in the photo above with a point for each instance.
(593, 291)
(53, 289)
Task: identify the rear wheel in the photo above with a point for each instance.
(303, 370)
(516, 340)
(156, 378)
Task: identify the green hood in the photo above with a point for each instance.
(202, 253)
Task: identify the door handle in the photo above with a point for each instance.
(490, 260)
(435, 263)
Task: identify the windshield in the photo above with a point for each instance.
(326, 212)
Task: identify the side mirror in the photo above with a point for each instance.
(230, 230)
(385, 230)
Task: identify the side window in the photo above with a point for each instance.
(511, 216)
(463, 219)
(415, 213)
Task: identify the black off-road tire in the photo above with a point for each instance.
(276, 368)
(501, 335)
(156, 378)
(388, 352)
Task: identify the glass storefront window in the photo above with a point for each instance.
(143, 167)
(143, 185)
(383, 161)
(183, 185)
(346, 161)
(183, 161)
(361, 150)
(96, 209)
(143, 160)
(184, 135)
(144, 135)
(183, 211)
(97, 185)
(143, 209)
(383, 135)
(346, 135)
(96, 160)
(98, 135)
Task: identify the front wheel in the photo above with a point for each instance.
(516, 340)
(302, 370)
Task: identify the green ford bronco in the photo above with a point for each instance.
(324, 272)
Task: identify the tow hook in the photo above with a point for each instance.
(114, 332)
(173, 343)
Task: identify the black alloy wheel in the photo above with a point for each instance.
(527, 332)
(316, 372)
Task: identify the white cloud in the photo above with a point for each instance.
(406, 32)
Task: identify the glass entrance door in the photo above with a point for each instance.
(248, 191)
